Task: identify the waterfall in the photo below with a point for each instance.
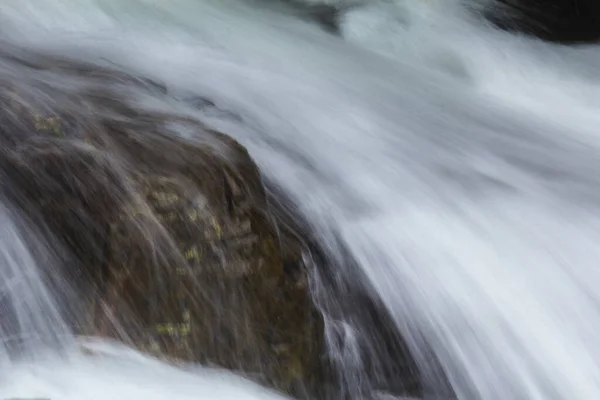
(450, 172)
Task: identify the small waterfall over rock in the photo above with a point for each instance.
(403, 204)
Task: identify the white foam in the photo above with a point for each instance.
(112, 371)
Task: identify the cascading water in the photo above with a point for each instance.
(31, 321)
(457, 165)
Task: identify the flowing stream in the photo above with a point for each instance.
(459, 166)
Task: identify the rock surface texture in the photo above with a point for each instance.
(168, 241)
(168, 244)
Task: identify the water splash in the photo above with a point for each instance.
(110, 370)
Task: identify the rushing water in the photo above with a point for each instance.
(459, 166)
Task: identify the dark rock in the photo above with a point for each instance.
(563, 21)
(170, 243)
(174, 246)
(349, 304)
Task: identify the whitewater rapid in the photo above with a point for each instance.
(459, 165)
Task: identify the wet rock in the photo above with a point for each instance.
(169, 244)
(369, 354)
(563, 21)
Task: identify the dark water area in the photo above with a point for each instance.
(562, 21)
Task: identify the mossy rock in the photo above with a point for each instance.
(170, 243)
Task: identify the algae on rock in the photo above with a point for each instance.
(170, 243)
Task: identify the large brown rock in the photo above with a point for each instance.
(169, 243)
